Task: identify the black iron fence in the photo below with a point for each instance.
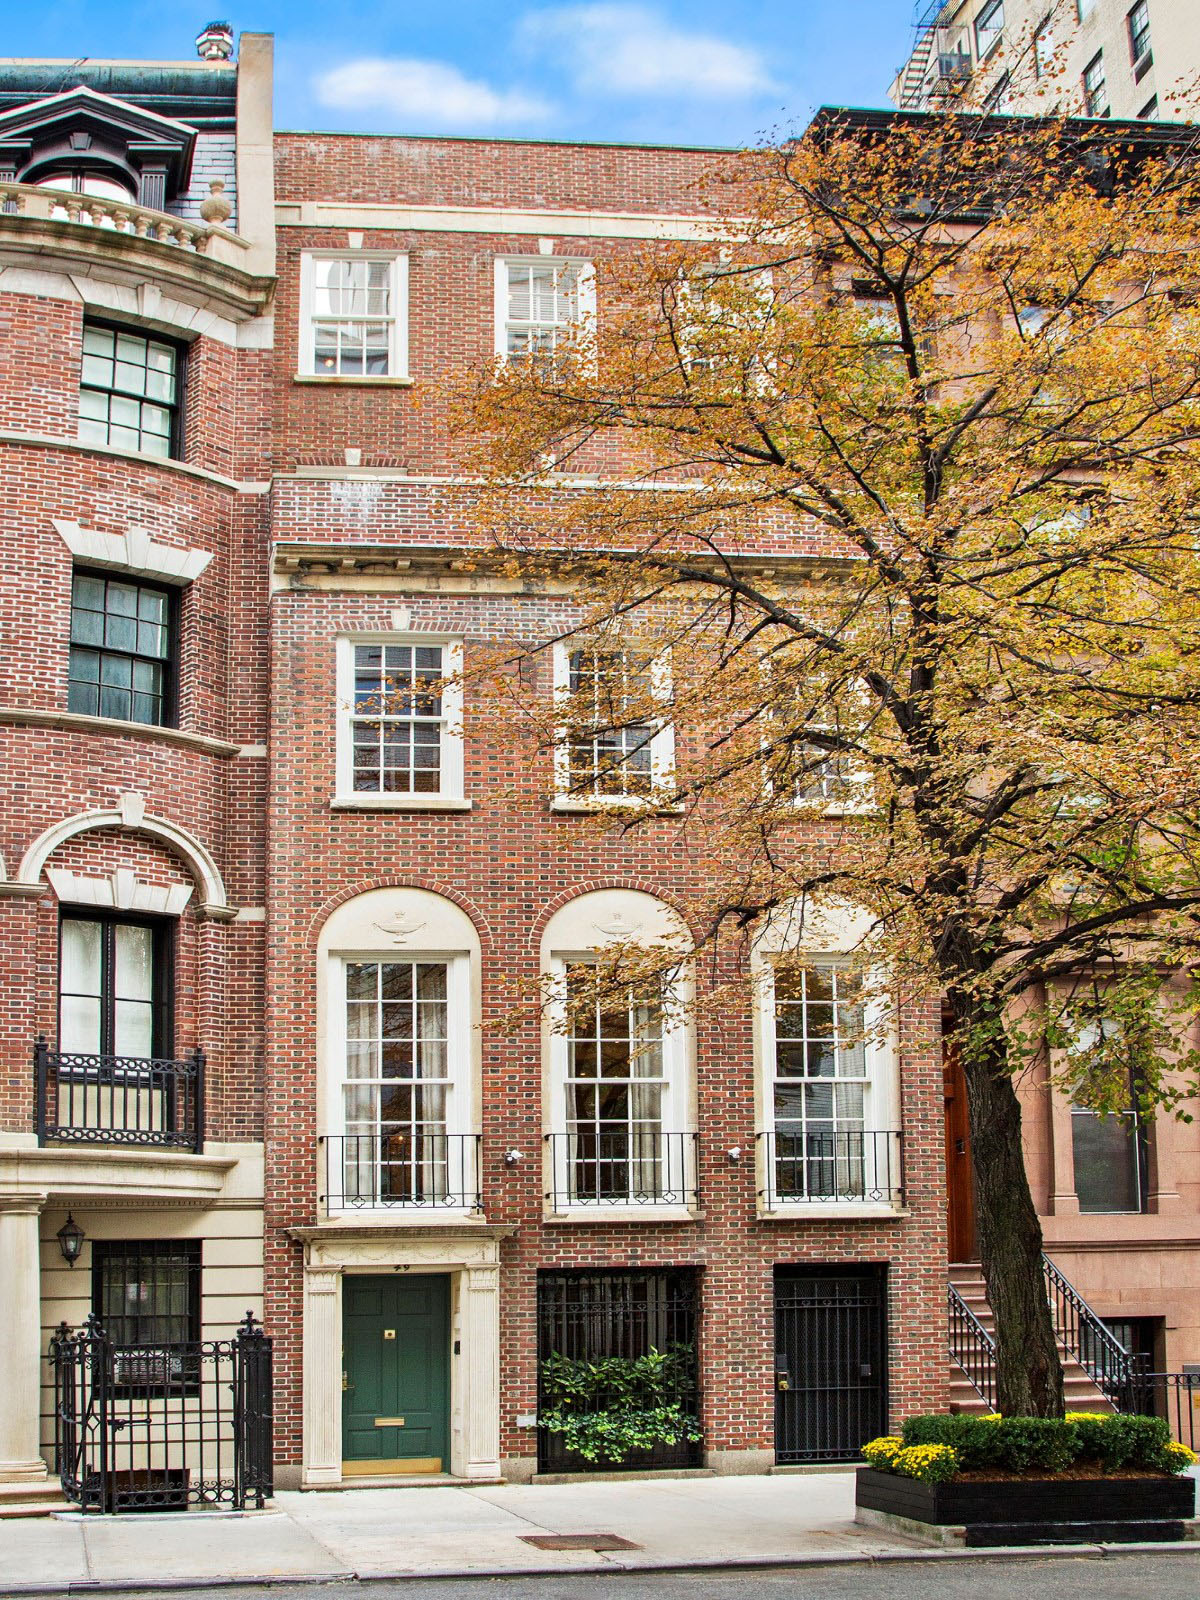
(622, 1166)
(162, 1427)
(119, 1100)
(403, 1168)
(828, 1167)
(618, 1345)
(1172, 1395)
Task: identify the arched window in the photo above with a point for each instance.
(621, 1093)
(398, 1032)
(84, 181)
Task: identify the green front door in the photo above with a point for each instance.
(395, 1373)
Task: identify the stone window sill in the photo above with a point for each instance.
(623, 1215)
(337, 380)
(400, 802)
(838, 1211)
(82, 722)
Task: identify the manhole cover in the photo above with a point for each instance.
(578, 1541)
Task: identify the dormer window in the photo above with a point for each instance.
(89, 143)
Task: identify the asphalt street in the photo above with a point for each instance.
(1114, 1577)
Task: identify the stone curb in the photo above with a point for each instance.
(1024, 1552)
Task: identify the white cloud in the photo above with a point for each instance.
(427, 94)
(632, 50)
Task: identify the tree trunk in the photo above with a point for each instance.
(1029, 1375)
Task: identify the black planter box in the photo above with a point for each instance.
(1038, 1511)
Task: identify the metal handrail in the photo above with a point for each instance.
(972, 1346)
(1081, 1332)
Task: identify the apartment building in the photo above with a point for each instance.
(265, 886)
(1093, 58)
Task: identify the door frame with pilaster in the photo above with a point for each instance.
(470, 1254)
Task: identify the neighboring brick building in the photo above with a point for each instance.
(233, 533)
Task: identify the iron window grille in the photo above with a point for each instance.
(354, 316)
(1095, 87)
(590, 1316)
(146, 1295)
(123, 649)
(131, 390)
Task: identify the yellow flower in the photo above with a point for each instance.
(880, 1453)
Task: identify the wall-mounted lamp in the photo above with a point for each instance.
(513, 1158)
(735, 1154)
(70, 1240)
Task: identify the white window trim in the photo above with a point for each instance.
(662, 744)
(398, 338)
(676, 1102)
(859, 802)
(459, 1109)
(586, 290)
(449, 796)
(881, 1097)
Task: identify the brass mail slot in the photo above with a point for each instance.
(389, 1422)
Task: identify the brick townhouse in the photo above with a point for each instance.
(258, 934)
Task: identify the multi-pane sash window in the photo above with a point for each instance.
(398, 1083)
(614, 747)
(989, 25)
(354, 316)
(616, 1082)
(820, 1084)
(1095, 87)
(129, 391)
(540, 305)
(1139, 31)
(121, 649)
(398, 718)
(111, 987)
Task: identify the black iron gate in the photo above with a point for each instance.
(830, 1362)
(162, 1427)
(609, 1320)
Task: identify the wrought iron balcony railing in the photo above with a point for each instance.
(428, 1171)
(830, 1168)
(622, 1167)
(118, 1100)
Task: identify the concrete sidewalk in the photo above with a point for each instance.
(450, 1530)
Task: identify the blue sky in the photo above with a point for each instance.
(662, 70)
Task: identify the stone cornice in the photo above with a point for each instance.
(111, 727)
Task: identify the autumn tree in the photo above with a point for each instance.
(898, 470)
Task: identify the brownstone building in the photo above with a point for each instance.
(264, 889)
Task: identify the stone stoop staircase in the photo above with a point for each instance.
(37, 1499)
(1081, 1392)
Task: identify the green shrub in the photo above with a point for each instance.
(1050, 1444)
